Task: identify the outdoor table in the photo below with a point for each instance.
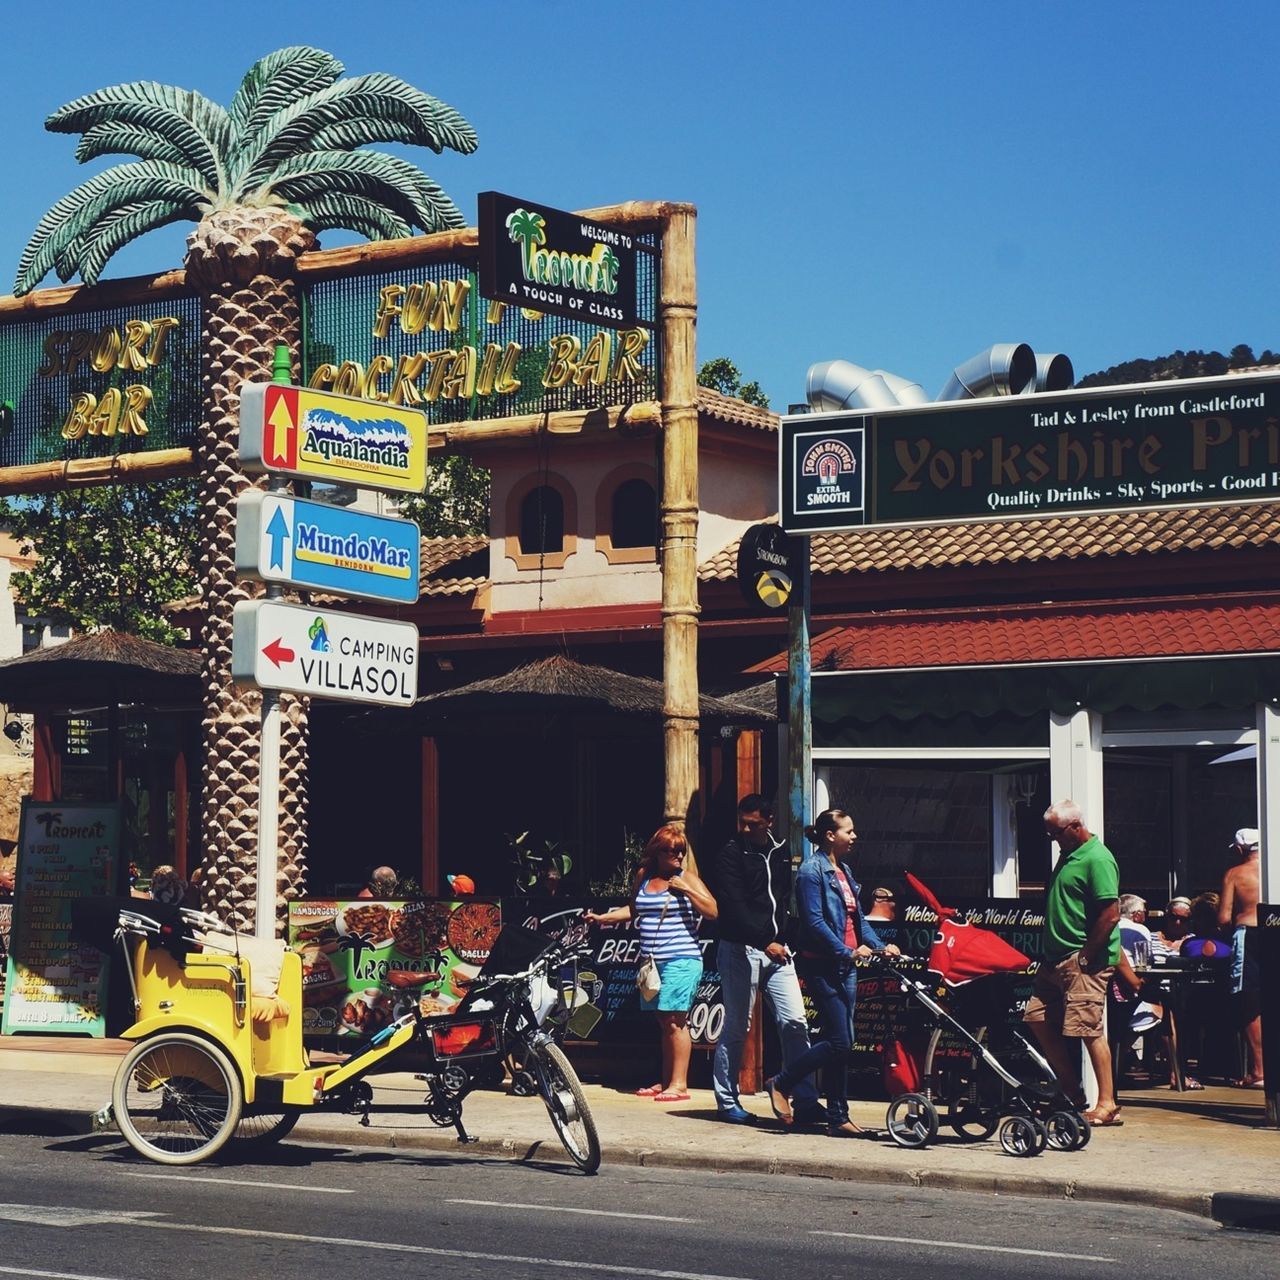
(1166, 982)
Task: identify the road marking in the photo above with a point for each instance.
(241, 1182)
(50, 1275)
(51, 1215)
(555, 1208)
(932, 1244)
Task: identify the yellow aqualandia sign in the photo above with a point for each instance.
(463, 370)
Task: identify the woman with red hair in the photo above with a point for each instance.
(667, 900)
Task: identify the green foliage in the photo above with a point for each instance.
(456, 503)
(617, 884)
(722, 375)
(109, 556)
(289, 140)
(1180, 364)
(533, 858)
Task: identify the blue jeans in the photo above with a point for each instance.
(833, 987)
(743, 972)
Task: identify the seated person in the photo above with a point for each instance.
(1174, 929)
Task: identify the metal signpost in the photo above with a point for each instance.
(324, 548)
(316, 435)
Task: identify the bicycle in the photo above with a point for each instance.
(218, 1062)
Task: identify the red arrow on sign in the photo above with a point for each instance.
(278, 653)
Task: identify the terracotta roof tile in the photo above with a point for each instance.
(730, 409)
(1049, 633)
(454, 566)
(1127, 533)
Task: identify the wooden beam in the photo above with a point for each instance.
(645, 415)
(77, 473)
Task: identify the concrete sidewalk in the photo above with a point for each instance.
(1205, 1153)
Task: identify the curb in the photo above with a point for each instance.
(1230, 1209)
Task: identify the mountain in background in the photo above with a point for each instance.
(1181, 364)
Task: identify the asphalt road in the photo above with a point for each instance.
(86, 1208)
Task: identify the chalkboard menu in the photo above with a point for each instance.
(65, 852)
(1266, 937)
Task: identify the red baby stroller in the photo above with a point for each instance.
(941, 1069)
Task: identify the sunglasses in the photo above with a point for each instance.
(884, 897)
(1173, 915)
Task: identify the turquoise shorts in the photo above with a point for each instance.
(680, 978)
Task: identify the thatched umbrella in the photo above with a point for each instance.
(554, 687)
(107, 667)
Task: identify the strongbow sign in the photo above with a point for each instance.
(1198, 442)
(324, 653)
(556, 262)
(766, 573)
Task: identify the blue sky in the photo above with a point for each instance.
(895, 184)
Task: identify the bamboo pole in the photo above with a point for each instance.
(457, 437)
(678, 313)
(77, 473)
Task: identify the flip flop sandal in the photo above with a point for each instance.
(1099, 1120)
(651, 1092)
(670, 1097)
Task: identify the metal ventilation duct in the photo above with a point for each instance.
(838, 384)
(1054, 372)
(907, 392)
(1005, 369)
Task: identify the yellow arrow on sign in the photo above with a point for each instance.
(280, 422)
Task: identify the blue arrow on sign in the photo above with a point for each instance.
(278, 531)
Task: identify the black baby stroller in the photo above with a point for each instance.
(941, 1069)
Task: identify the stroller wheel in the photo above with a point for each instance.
(972, 1123)
(912, 1120)
(1023, 1136)
(1067, 1132)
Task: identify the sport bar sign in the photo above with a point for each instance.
(1192, 443)
(556, 262)
(318, 435)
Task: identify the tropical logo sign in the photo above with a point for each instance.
(556, 262)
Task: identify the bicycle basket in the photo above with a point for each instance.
(450, 1039)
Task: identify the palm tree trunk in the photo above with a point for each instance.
(242, 260)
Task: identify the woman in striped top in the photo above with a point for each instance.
(666, 902)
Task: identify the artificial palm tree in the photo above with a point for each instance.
(260, 179)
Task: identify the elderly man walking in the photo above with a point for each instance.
(1081, 950)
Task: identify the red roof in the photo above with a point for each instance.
(1016, 635)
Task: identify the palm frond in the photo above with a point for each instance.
(121, 184)
(401, 186)
(113, 137)
(376, 95)
(275, 81)
(200, 128)
(89, 252)
(355, 213)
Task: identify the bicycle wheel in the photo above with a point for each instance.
(567, 1106)
(177, 1098)
(261, 1128)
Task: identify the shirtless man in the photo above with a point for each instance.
(1238, 907)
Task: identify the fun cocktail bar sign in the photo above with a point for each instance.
(1198, 442)
(126, 378)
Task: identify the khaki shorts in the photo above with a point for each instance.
(1067, 997)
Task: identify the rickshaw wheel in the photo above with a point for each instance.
(263, 1127)
(972, 1123)
(177, 1098)
(912, 1120)
(1023, 1136)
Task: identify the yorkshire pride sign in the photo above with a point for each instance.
(556, 262)
(1198, 442)
(324, 653)
(324, 548)
(318, 435)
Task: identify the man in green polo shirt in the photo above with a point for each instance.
(1081, 949)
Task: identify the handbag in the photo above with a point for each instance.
(648, 979)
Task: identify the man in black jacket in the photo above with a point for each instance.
(753, 890)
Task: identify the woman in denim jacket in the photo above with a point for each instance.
(833, 931)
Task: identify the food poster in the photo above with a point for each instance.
(6, 928)
(65, 852)
(366, 962)
(608, 977)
